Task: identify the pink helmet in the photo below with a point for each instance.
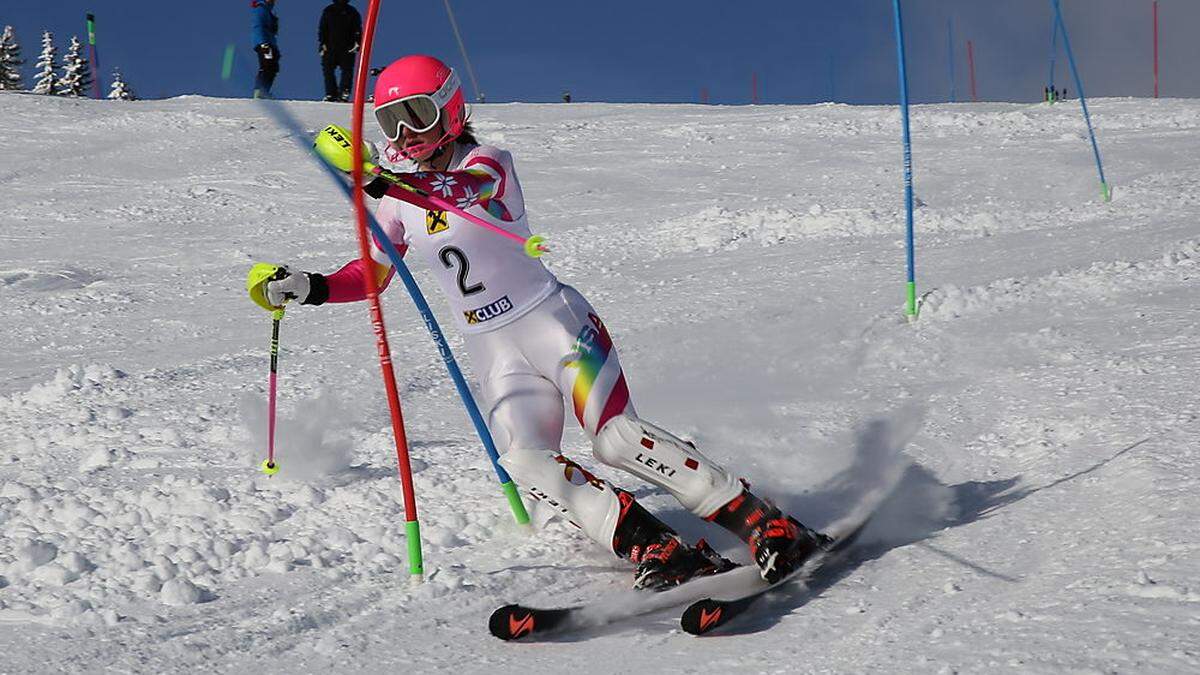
(418, 92)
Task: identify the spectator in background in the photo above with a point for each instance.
(264, 27)
(339, 35)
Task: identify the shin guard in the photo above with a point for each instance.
(658, 456)
(584, 500)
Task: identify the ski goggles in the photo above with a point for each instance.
(419, 113)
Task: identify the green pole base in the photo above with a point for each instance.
(227, 63)
(910, 304)
(1106, 192)
(416, 565)
(515, 503)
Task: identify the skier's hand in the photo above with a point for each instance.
(322, 50)
(288, 285)
(354, 49)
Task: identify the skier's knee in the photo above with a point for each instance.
(658, 456)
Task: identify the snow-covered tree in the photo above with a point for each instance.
(10, 61)
(46, 65)
(77, 74)
(121, 91)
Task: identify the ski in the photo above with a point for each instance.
(521, 622)
(708, 614)
(512, 622)
(711, 601)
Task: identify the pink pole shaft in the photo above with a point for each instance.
(476, 219)
(416, 198)
(272, 387)
(271, 421)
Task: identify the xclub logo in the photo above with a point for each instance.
(488, 312)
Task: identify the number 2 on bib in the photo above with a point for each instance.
(452, 256)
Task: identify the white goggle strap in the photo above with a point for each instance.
(445, 92)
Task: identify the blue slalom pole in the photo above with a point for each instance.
(1105, 190)
(832, 82)
(300, 136)
(910, 306)
(1053, 54)
(950, 58)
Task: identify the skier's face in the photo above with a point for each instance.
(410, 138)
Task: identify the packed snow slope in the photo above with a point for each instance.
(750, 263)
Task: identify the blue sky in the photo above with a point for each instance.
(665, 51)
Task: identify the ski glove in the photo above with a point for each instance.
(303, 287)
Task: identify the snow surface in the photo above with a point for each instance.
(750, 264)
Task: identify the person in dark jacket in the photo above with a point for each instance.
(264, 27)
(339, 36)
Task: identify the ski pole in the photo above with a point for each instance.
(534, 246)
(269, 465)
(256, 282)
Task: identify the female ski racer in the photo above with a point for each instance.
(535, 342)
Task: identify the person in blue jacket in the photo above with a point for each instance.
(264, 27)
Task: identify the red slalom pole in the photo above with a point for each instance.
(754, 88)
(971, 66)
(1155, 48)
(412, 526)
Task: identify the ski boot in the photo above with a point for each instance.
(662, 559)
(779, 543)
(670, 563)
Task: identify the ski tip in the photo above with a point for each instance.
(512, 622)
(702, 616)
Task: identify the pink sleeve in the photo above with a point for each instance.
(346, 284)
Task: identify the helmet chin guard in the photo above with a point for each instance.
(397, 152)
